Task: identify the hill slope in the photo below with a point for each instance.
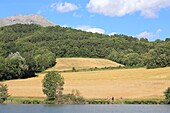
(39, 46)
(127, 83)
(82, 63)
(30, 19)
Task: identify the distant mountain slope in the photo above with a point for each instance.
(30, 19)
(82, 63)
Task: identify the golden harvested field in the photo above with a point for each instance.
(82, 63)
(127, 83)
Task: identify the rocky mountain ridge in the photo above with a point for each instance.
(30, 19)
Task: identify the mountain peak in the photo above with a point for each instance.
(30, 19)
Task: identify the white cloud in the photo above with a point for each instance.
(113, 33)
(65, 25)
(77, 15)
(146, 8)
(149, 35)
(91, 29)
(145, 35)
(64, 7)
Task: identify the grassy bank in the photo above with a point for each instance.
(20, 100)
(17, 100)
(66, 99)
(151, 101)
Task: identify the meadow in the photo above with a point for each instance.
(139, 83)
(64, 64)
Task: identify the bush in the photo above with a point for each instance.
(3, 93)
(30, 101)
(73, 99)
(167, 95)
(74, 69)
(98, 101)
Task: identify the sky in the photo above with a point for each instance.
(139, 18)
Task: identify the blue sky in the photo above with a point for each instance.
(139, 18)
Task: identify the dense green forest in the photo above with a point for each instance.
(26, 49)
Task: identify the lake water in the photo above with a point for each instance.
(84, 108)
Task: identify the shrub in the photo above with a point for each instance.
(73, 99)
(167, 95)
(74, 69)
(3, 92)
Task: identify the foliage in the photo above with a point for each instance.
(143, 102)
(73, 99)
(94, 101)
(126, 101)
(132, 59)
(53, 86)
(14, 67)
(39, 46)
(31, 102)
(74, 69)
(44, 59)
(20, 100)
(167, 95)
(158, 57)
(3, 93)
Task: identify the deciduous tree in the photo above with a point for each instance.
(53, 86)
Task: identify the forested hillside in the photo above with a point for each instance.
(26, 49)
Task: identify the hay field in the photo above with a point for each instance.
(127, 83)
(82, 63)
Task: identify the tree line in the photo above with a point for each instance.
(26, 49)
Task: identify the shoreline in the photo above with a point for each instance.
(21, 100)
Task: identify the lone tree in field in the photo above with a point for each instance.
(167, 95)
(3, 93)
(53, 86)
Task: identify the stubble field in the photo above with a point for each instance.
(127, 83)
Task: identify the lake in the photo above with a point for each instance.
(21, 108)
